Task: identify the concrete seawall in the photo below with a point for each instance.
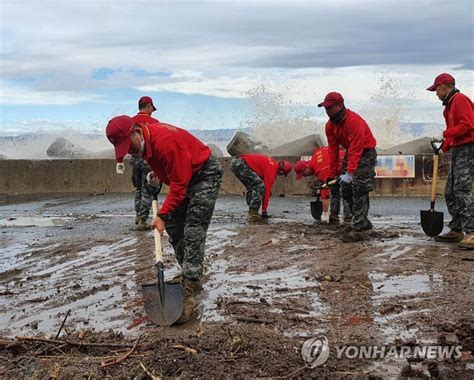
(98, 176)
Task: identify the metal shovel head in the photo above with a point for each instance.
(163, 307)
(432, 222)
(316, 209)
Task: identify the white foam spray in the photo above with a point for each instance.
(275, 121)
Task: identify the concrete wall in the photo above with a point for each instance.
(98, 176)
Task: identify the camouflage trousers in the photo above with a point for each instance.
(336, 203)
(143, 192)
(252, 182)
(356, 194)
(143, 199)
(187, 225)
(458, 193)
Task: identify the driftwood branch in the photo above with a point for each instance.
(148, 373)
(76, 344)
(253, 320)
(111, 362)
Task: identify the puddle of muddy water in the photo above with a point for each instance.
(396, 294)
(250, 287)
(99, 282)
(48, 285)
(404, 285)
(8, 255)
(392, 322)
(399, 247)
(32, 221)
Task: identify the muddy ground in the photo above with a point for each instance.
(267, 289)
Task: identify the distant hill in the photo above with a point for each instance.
(216, 135)
(421, 129)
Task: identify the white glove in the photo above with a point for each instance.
(437, 138)
(347, 178)
(325, 217)
(120, 168)
(152, 179)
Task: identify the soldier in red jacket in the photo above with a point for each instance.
(193, 175)
(140, 168)
(258, 173)
(348, 129)
(145, 109)
(459, 138)
(318, 166)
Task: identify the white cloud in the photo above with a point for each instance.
(306, 87)
(299, 50)
(16, 95)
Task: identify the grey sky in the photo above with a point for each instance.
(265, 34)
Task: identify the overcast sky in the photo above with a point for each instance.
(78, 63)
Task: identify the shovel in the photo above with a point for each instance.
(317, 205)
(431, 220)
(163, 301)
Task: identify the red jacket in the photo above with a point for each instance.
(144, 119)
(174, 155)
(352, 133)
(320, 164)
(459, 116)
(266, 168)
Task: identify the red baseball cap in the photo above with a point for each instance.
(118, 132)
(331, 99)
(146, 99)
(286, 167)
(444, 78)
(299, 168)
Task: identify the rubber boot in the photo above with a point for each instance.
(348, 220)
(353, 236)
(143, 225)
(467, 242)
(178, 279)
(334, 219)
(450, 237)
(253, 216)
(188, 300)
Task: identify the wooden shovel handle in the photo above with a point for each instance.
(158, 247)
(326, 185)
(435, 177)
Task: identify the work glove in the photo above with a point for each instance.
(437, 138)
(346, 177)
(265, 215)
(152, 179)
(120, 168)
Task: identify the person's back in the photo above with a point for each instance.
(264, 166)
(168, 142)
(320, 162)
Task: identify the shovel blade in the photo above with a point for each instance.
(432, 222)
(316, 209)
(166, 311)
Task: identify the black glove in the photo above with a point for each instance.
(265, 215)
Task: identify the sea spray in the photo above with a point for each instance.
(276, 121)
